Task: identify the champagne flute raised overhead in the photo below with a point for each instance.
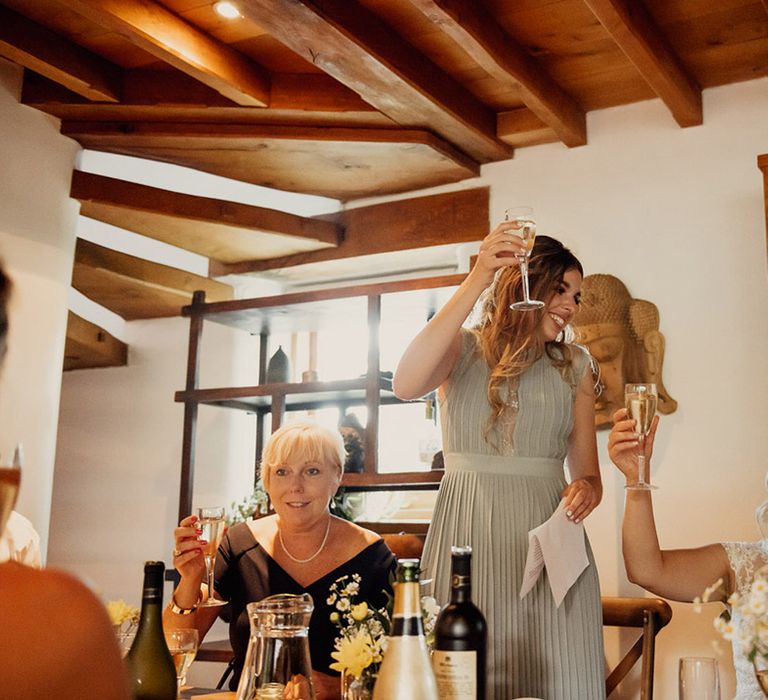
(211, 524)
(640, 401)
(525, 228)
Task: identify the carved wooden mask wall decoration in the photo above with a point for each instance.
(623, 336)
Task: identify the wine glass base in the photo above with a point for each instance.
(530, 305)
(641, 487)
(212, 603)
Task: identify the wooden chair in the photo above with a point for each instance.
(647, 614)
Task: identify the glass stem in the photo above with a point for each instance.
(524, 275)
(641, 462)
(209, 576)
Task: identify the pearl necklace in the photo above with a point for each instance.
(304, 561)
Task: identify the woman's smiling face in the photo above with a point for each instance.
(301, 490)
(562, 306)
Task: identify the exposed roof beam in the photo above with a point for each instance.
(478, 33)
(404, 224)
(89, 346)
(350, 43)
(311, 92)
(215, 228)
(166, 36)
(136, 288)
(636, 34)
(43, 51)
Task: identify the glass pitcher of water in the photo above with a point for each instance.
(277, 663)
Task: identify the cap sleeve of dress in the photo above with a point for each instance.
(746, 559)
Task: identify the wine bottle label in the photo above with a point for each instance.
(456, 674)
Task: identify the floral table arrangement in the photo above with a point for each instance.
(745, 623)
(362, 639)
(125, 619)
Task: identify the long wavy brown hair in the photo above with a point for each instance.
(509, 340)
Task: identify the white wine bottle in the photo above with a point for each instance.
(150, 667)
(461, 636)
(406, 673)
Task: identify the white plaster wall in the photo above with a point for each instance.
(677, 214)
(37, 233)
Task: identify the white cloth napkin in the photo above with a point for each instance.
(559, 545)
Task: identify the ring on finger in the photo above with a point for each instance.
(176, 553)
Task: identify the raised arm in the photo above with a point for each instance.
(678, 574)
(432, 354)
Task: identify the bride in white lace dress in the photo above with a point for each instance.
(681, 574)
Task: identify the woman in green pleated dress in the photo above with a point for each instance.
(517, 410)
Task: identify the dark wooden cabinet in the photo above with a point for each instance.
(305, 311)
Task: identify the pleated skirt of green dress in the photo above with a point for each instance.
(534, 648)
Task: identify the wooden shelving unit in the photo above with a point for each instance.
(307, 311)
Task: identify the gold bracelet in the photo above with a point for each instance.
(183, 611)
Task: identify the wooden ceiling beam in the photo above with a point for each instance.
(307, 92)
(88, 346)
(406, 224)
(94, 191)
(634, 31)
(45, 52)
(166, 36)
(352, 44)
(135, 288)
(478, 33)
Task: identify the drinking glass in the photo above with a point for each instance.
(525, 227)
(640, 401)
(699, 679)
(10, 480)
(182, 643)
(211, 523)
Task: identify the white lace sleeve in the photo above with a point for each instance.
(746, 559)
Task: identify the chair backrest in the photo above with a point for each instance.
(647, 614)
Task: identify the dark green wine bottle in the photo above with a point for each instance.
(150, 666)
(461, 636)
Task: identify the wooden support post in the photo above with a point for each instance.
(190, 408)
(370, 465)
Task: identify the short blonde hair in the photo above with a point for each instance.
(304, 441)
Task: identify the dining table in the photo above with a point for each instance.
(192, 693)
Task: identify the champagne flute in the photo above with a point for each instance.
(525, 227)
(211, 523)
(182, 644)
(640, 401)
(10, 480)
(699, 679)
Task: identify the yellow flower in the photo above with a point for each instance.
(334, 617)
(354, 654)
(360, 612)
(119, 611)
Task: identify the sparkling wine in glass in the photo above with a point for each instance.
(525, 228)
(10, 480)
(211, 523)
(182, 643)
(640, 401)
